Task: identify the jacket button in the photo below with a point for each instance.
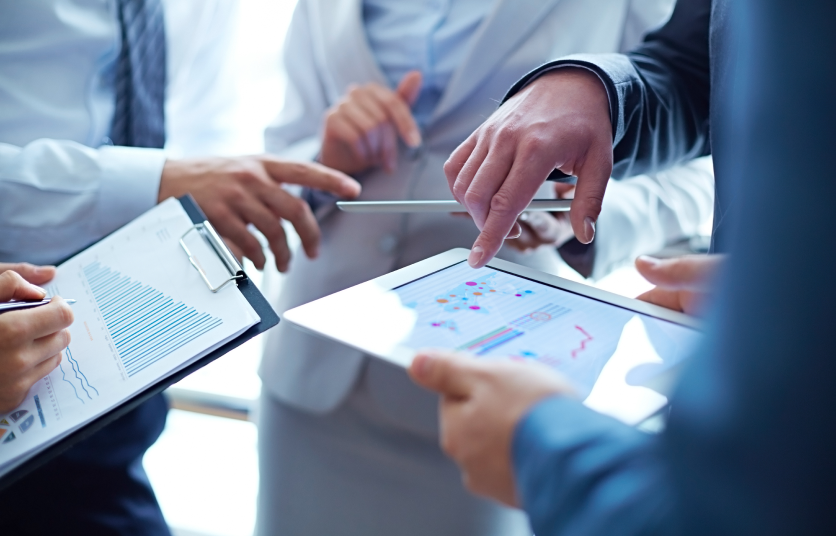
(388, 243)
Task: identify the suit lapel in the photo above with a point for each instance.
(508, 24)
(345, 48)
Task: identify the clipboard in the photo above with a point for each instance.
(257, 301)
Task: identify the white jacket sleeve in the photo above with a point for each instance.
(56, 197)
(643, 214)
(295, 134)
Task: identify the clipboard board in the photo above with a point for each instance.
(269, 319)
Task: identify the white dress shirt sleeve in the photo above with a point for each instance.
(295, 134)
(645, 213)
(56, 197)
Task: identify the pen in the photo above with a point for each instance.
(16, 305)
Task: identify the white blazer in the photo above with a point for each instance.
(326, 51)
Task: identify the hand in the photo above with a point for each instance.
(481, 404)
(31, 340)
(361, 130)
(561, 120)
(235, 192)
(544, 228)
(682, 283)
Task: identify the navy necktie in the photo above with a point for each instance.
(139, 117)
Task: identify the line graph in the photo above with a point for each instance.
(588, 338)
(77, 378)
(144, 324)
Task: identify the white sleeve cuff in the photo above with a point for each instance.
(130, 184)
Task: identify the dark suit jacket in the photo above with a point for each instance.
(750, 446)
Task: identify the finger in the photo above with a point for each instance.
(524, 242)
(269, 223)
(516, 231)
(458, 158)
(489, 167)
(45, 367)
(46, 347)
(389, 147)
(691, 272)
(298, 213)
(506, 206)
(410, 87)
(231, 225)
(475, 200)
(312, 175)
(543, 225)
(14, 287)
(593, 175)
(41, 321)
(446, 373)
(234, 249)
(365, 100)
(363, 124)
(670, 299)
(563, 190)
(399, 114)
(37, 275)
(340, 128)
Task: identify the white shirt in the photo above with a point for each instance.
(60, 188)
(431, 37)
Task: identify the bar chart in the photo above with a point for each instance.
(145, 325)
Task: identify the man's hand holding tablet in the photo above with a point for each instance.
(483, 402)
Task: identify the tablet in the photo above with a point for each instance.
(622, 355)
(449, 206)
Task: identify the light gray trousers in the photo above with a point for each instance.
(372, 466)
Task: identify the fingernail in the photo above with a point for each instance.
(421, 365)
(475, 256)
(415, 139)
(41, 270)
(589, 229)
(39, 289)
(653, 261)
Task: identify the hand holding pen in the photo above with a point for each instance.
(31, 340)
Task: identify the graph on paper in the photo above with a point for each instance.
(144, 323)
(494, 314)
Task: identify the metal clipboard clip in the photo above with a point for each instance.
(214, 240)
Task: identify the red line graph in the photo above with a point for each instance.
(582, 347)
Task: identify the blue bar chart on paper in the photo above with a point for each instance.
(144, 324)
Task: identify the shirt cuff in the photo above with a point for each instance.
(130, 184)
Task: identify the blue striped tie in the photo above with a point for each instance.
(139, 117)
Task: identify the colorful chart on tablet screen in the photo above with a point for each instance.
(495, 314)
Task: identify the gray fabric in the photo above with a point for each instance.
(367, 468)
(139, 115)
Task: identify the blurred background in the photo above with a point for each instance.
(204, 467)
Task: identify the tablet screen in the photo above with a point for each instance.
(495, 314)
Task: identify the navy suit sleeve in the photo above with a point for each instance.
(658, 94)
(749, 449)
(579, 472)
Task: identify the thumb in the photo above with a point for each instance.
(690, 272)
(410, 86)
(14, 287)
(446, 373)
